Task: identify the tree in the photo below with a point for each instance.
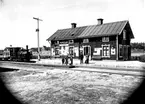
(137, 45)
(1, 1)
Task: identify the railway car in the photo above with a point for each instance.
(16, 54)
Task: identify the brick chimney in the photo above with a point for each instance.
(73, 25)
(27, 48)
(100, 21)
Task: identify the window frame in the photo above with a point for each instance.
(106, 45)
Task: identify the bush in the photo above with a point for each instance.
(142, 58)
(135, 57)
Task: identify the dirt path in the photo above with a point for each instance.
(69, 87)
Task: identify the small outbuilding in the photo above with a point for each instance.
(101, 41)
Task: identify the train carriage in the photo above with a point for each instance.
(16, 54)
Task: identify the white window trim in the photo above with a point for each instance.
(103, 49)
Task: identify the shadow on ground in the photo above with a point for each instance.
(7, 69)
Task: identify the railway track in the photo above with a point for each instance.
(21, 65)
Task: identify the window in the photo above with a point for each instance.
(124, 34)
(106, 50)
(57, 51)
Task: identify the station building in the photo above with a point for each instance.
(101, 41)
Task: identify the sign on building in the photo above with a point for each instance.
(85, 40)
(113, 51)
(97, 51)
(63, 42)
(105, 39)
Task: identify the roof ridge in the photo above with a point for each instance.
(96, 30)
(95, 25)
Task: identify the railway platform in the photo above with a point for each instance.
(133, 68)
(110, 64)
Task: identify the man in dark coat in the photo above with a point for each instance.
(63, 60)
(71, 60)
(81, 57)
(66, 60)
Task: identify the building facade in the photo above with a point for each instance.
(102, 41)
(44, 51)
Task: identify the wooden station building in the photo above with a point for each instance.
(101, 41)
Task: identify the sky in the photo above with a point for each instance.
(18, 28)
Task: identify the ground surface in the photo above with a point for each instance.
(69, 87)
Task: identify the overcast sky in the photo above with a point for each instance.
(17, 26)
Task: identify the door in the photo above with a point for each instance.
(87, 51)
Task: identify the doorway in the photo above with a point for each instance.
(87, 51)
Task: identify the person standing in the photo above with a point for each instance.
(87, 59)
(66, 60)
(63, 60)
(71, 60)
(81, 57)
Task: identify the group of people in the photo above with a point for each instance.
(67, 60)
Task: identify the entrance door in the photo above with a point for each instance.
(106, 50)
(87, 50)
(125, 52)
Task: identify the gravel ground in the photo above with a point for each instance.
(69, 87)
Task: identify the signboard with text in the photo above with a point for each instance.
(105, 39)
(63, 42)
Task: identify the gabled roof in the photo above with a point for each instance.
(107, 29)
(34, 49)
(46, 48)
(12, 48)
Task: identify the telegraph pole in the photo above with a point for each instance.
(37, 30)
